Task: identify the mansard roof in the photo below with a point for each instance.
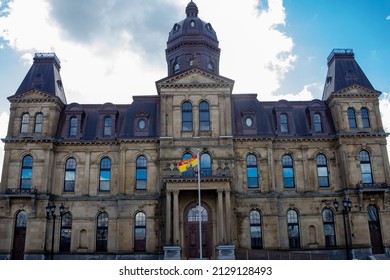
(124, 125)
(266, 114)
(44, 75)
(343, 72)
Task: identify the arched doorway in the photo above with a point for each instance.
(192, 241)
(19, 236)
(375, 230)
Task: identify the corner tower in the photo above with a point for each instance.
(192, 43)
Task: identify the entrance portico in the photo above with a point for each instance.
(181, 224)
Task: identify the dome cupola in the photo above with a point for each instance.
(192, 43)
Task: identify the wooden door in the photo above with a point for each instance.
(192, 234)
(19, 236)
(375, 230)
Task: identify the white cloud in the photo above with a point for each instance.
(3, 129)
(104, 71)
(307, 93)
(388, 17)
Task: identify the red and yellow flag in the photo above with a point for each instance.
(188, 163)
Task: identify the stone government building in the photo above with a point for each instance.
(274, 175)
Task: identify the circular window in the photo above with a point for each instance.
(141, 124)
(248, 122)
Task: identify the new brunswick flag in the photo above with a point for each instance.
(188, 163)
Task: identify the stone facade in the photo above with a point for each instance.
(268, 182)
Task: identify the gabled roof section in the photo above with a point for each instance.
(194, 77)
(44, 75)
(34, 95)
(343, 72)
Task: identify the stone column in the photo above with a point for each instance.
(168, 238)
(176, 217)
(228, 217)
(220, 220)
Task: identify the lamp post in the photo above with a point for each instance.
(347, 206)
(50, 212)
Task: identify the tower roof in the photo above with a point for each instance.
(44, 75)
(343, 72)
(192, 42)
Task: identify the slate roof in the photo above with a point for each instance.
(266, 114)
(343, 72)
(44, 75)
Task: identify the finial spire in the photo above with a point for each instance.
(192, 10)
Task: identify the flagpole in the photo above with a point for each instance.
(200, 215)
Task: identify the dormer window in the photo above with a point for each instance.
(210, 66)
(192, 23)
(176, 28)
(142, 124)
(248, 121)
(317, 122)
(283, 123)
(107, 126)
(73, 123)
(349, 74)
(176, 68)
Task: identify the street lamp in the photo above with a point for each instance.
(347, 206)
(50, 212)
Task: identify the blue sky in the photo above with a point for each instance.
(111, 50)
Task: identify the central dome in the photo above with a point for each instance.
(192, 43)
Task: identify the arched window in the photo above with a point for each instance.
(24, 124)
(255, 229)
(107, 126)
(322, 171)
(365, 166)
(140, 232)
(293, 229)
(205, 165)
(191, 171)
(351, 118)
(26, 172)
(193, 214)
(101, 232)
(176, 68)
(73, 123)
(329, 229)
(204, 116)
(66, 232)
(70, 175)
(365, 118)
(252, 171)
(317, 122)
(186, 114)
(38, 123)
(283, 119)
(141, 173)
(288, 172)
(105, 174)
